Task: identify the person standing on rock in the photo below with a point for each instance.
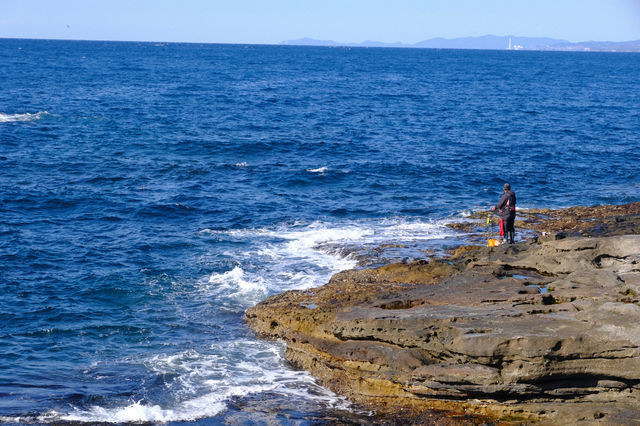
(507, 208)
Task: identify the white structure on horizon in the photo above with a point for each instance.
(515, 46)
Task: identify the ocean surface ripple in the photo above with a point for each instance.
(150, 193)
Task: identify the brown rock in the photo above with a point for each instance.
(546, 330)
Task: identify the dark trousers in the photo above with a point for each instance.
(508, 223)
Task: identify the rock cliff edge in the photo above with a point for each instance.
(546, 330)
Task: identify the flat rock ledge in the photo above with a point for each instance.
(543, 331)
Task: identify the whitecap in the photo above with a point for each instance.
(234, 281)
(242, 164)
(296, 240)
(318, 170)
(277, 259)
(299, 256)
(204, 383)
(411, 230)
(8, 118)
(135, 412)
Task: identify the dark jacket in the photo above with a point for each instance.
(507, 204)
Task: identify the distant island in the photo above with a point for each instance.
(488, 42)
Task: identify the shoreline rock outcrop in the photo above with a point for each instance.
(546, 330)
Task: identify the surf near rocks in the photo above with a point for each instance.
(544, 330)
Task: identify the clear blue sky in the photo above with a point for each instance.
(273, 21)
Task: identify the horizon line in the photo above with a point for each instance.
(286, 43)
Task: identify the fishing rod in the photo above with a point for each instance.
(492, 242)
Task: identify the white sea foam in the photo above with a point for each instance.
(8, 118)
(205, 382)
(287, 257)
(237, 285)
(319, 170)
(201, 383)
(300, 256)
(135, 412)
(299, 240)
(266, 261)
(234, 279)
(412, 230)
(242, 164)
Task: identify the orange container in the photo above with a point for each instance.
(493, 242)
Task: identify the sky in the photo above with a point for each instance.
(346, 21)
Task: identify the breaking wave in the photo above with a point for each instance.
(203, 384)
(318, 170)
(8, 118)
(301, 256)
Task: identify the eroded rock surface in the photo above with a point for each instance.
(546, 330)
(593, 221)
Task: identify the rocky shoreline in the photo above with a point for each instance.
(546, 330)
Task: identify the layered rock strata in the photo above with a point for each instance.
(546, 330)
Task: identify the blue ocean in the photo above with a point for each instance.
(150, 193)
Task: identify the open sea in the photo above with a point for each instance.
(150, 193)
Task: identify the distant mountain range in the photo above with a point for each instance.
(489, 42)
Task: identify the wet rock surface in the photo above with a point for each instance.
(591, 221)
(546, 330)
